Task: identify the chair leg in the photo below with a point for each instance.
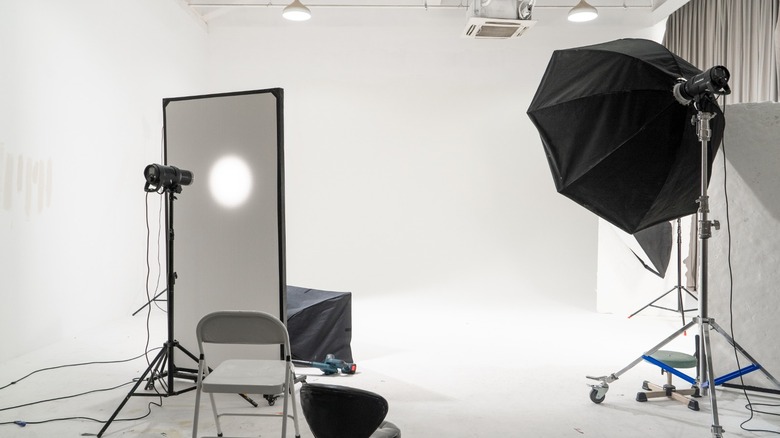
(197, 410)
(286, 401)
(284, 416)
(198, 391)
(294, 404)
(216, 415)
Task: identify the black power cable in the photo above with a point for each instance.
(22, 423)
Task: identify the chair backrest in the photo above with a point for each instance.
(242, 327)
(334, 411)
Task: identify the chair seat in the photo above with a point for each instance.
(335, 411)
(249, 376)
(675, 359)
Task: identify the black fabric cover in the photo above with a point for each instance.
(334, 411)
(656, 242)
(319, 323)
(617, 141)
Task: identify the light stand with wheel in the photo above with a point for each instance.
(701, 89)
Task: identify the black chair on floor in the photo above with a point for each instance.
(334, 411)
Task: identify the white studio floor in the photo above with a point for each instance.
(446, 371)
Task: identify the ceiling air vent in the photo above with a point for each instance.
(495, 28)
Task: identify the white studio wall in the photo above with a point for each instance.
(412, 170)
(81, 85)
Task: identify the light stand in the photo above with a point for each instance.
(679, 287)
(163, 364)
(704, 368)
(705, 380)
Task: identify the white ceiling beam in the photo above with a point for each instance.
(185, 4)
(430, 5)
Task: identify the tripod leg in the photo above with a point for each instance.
(739, 348)
(153, 364)
(148, 303)
(652, 303)
(159, 370)
(717, 430)
(187, 352)
(680, 306)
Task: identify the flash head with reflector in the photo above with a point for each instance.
(713, 81)
(161, 178)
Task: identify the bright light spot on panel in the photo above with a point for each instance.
(230, 181)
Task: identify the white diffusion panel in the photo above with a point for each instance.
(228, 250)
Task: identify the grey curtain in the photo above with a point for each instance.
(741, 35)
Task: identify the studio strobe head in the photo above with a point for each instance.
(166, 178)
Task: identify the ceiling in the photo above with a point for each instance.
(644, 11)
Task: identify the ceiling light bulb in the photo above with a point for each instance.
(296, 11)
(582, 12)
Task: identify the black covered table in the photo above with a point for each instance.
(319, 323)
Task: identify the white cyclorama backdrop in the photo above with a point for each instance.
(226, 258)
(413, 174)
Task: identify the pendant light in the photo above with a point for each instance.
(583, 12)
(296, 11)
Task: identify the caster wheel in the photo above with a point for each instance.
(594, 396)
(641, 397)
(645, 386)
(693, 405)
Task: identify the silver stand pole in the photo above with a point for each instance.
(706, 377)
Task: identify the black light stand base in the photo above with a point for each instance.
(679, 287)
(679, 309)
(155, 371)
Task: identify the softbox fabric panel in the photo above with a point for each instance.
(656, 242)
(319, 323)
(617, 141)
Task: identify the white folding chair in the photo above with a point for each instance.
(245, 376)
